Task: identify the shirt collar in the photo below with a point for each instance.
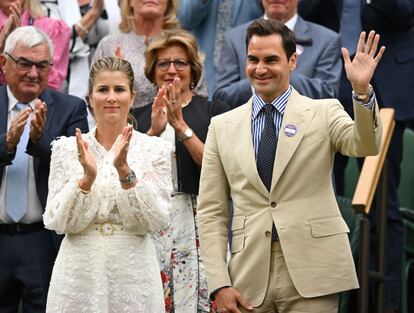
(13, 101)
(279, 103)
(290, 23)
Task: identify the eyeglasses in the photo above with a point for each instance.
(26, 65)
(179, 64)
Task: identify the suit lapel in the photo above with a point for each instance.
(47, 98)
(301, 31)
(298, 114)
(240, 133)
(4, 106)
(236, 8)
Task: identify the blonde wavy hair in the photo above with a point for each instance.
(127, 16)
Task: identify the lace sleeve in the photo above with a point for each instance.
(148, 203)
(68, 210)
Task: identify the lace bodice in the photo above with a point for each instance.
(144, 207)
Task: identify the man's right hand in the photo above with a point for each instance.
(16, 129)
(228, 300)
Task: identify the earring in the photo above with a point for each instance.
(192, 85)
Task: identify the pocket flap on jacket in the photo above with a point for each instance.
(328, 226)
(238, 222)
(237, 243)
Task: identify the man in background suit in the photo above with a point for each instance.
(208, 20)
(394, 20)
(318, 57)
(290, 250)
(31, 117)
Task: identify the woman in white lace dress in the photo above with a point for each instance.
(108, 189)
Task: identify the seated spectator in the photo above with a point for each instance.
(174, 65)
(318, 66)
(29, 12)
(140, 21)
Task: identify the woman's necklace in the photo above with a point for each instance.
(185, 103)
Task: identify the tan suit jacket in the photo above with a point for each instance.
(301, 202)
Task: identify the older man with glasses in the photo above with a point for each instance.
(31, 117)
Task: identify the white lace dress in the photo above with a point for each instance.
(97, 269)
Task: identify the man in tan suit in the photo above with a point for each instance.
(289, 247)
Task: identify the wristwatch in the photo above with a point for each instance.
(363, 97)
(187, 134)
(130, 179)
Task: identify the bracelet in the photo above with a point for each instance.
(85, 192)
(82, 28)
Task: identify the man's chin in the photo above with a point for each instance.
(28, 94)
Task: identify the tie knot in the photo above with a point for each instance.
(21, 106)
(268, 108)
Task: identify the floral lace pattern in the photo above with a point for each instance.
(118, 273)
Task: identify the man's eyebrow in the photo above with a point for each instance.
(272, 57)
(27, 60)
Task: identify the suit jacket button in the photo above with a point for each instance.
(273, 204)
(268, 233)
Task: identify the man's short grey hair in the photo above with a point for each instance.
(28, 36)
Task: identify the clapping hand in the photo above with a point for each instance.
(13, 21)
(118, 53)
(173, 101)
(16, 129)
(98, 7)
(158, 114)
(88, 162)
(120, 161)
(38, 122)
(360, 70)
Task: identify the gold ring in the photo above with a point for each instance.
(79, 155)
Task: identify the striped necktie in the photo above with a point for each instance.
(17, 175)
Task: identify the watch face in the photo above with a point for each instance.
(132, 177)
(188, 132)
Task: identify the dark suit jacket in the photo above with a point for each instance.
(64, 114)
(317, 72)
(394, 21)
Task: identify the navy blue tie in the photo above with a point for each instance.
(266, 154)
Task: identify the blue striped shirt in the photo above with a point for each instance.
(258, 115)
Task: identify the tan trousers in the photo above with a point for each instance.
(281, 295)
